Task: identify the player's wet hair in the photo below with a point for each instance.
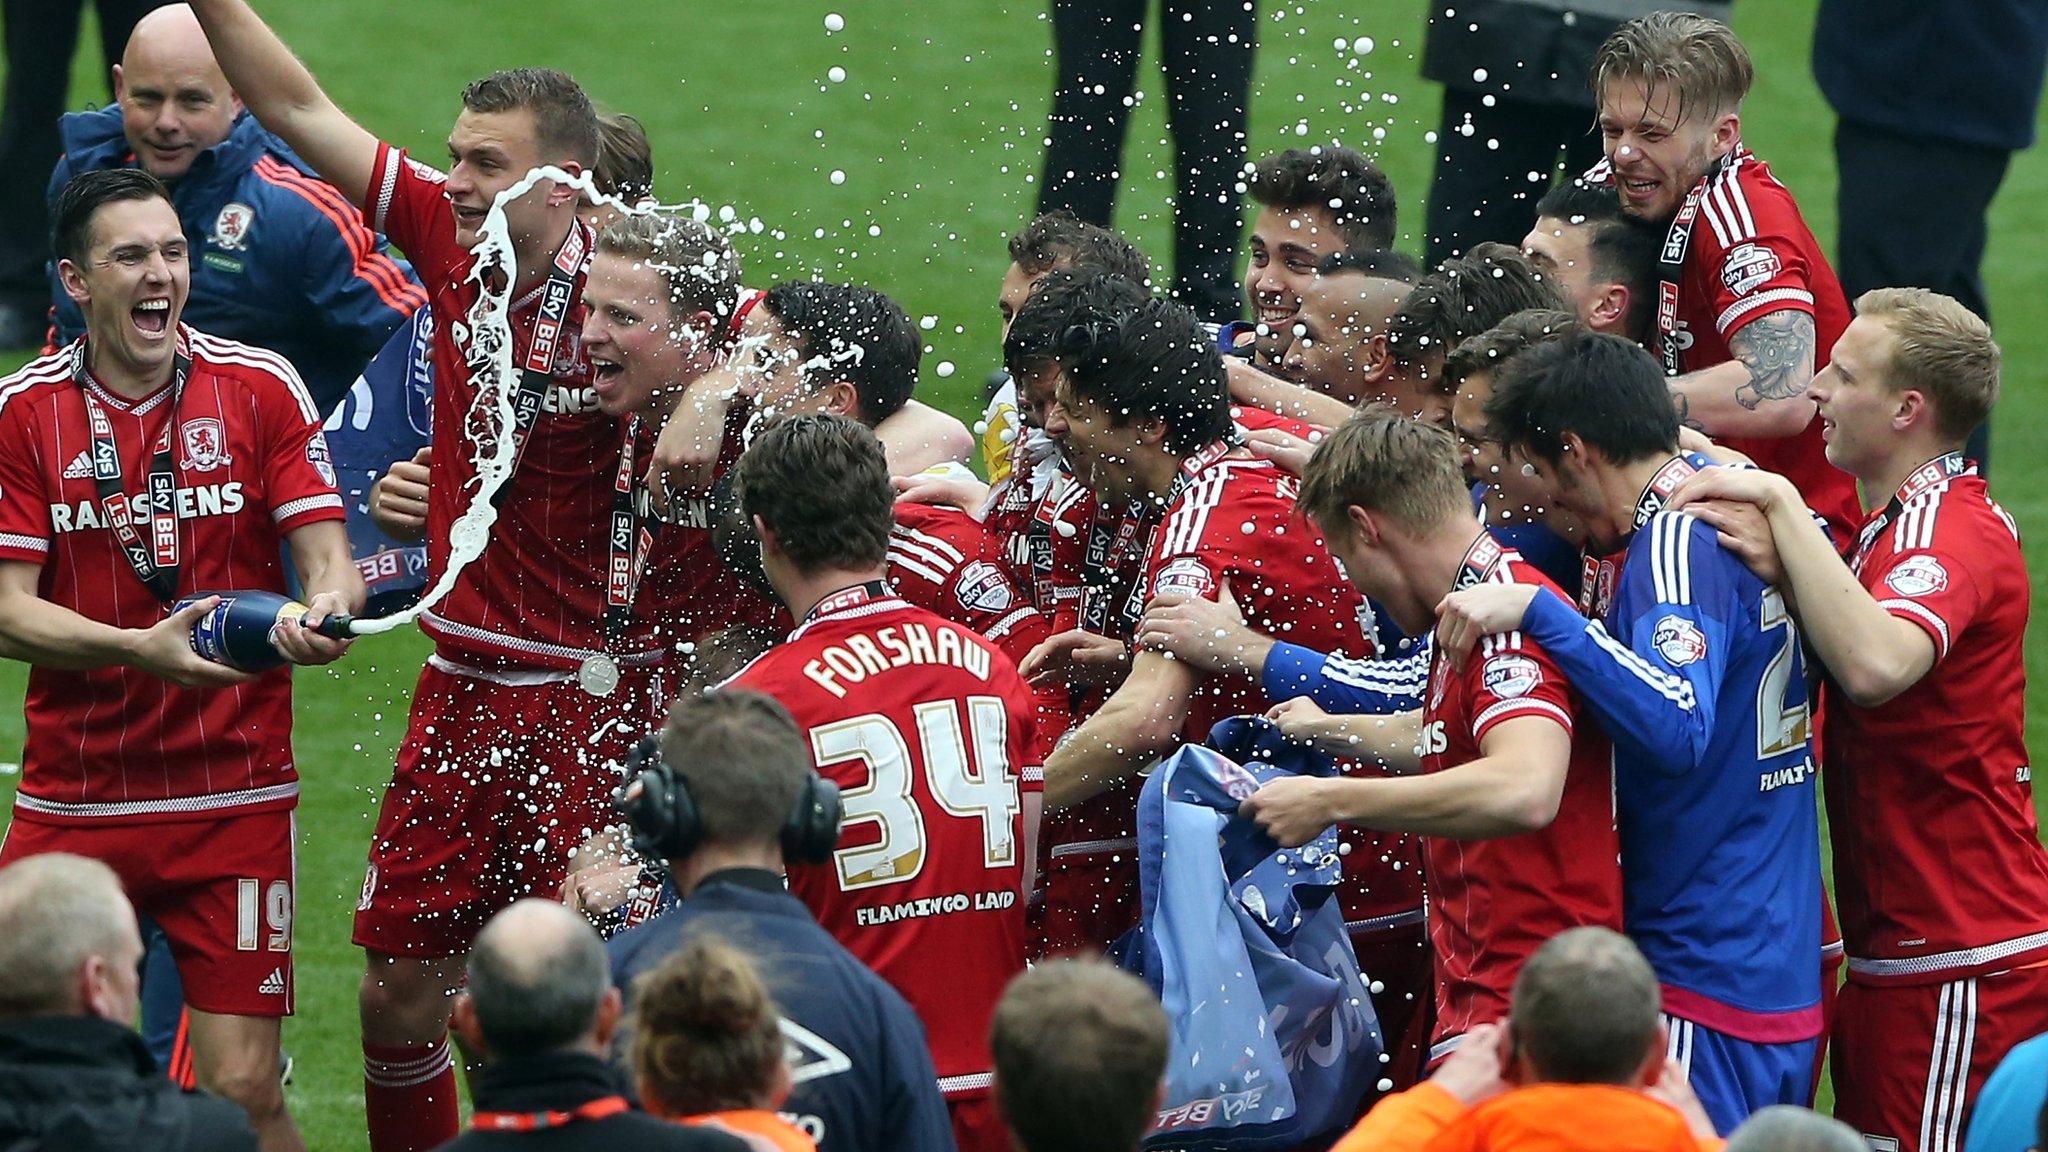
(851, 333)
(1404, 468)
(1137, 356)
(707, 1037)
(1033, 340)
(1584, 1009)
(697, 264)
(1622, 248)
(537, 977)
(1333, 179)
(1605, 390)
(1059, 239)
(821, 485)
(564, 121)
(1941, 350)
(84, 195)
(1372, 263)
(1079, 1047)
(1506, 340)
(57, 911)
(1697, 59)
(742, 759)
(1465, 297)
(625, 160)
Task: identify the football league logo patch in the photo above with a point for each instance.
(318, 456)
(1748, 267)
(204, 448)
(1511, 675)
(1186, 575)
(1917, 576)
(983, 588)
(1679, 641)
(231, 227)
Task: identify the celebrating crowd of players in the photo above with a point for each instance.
(1486, 534)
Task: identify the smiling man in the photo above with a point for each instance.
(1747, 305)
(1313, 204)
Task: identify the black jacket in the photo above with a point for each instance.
(81, 1084)
(559, 1082)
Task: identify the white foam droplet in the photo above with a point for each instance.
(945, 368)
(838, 177)
(834, 22)
(928, 322)
(836, 74)
(981, 427)
(1362, 46)
(1479, 75)
(1064, 528)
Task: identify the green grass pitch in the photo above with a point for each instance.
(937, 128)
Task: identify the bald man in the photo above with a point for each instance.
(279, 259)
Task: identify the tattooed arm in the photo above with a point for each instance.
(1761, 393)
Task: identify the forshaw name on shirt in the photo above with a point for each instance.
(865, 654)
(202, 500)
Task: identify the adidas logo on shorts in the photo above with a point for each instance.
(273, 984)
(80, 467)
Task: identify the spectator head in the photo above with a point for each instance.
(1380, 488)
(1601, 259)
(1470, 369)
(1080, 1055)
(1313, 204)
(1575, 409)
(706, 1035)
(1584, 1011)
(174, 101)
(1059, 239)
(837, 348)
(1141, 388)
(1913, 375)
(68, 940)
(538, 982)
(816, 489)
(512, 122)
(122, 257)
(660, 294)
(1340, 346)
(1785, 1128)
(1670, 88)
(625, 165)
(741, 765)
(1466, 296)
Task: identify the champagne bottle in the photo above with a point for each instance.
(240, 630)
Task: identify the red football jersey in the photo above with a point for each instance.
(936, 561)
(1493, 902)
(1750, 255)
(1254, 419)
(924, 726)
(117, 745)
(1939, 870)
(536, 595)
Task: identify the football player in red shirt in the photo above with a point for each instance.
(186, 793)
(529, 694)
(1514, 802)
(1939, 870)
(922, 724)
(1747, 305)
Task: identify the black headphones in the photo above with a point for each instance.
(656, 802)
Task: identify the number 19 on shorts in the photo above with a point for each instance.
(263, 915)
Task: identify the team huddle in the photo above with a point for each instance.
(1554, 556)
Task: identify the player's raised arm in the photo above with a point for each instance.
(1139, 723)
(283, 96)
(1761, 393)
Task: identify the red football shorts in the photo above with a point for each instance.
(222, 889)
(496, 785)
(1908, 1060)
(1400, 973)
(976, 1127)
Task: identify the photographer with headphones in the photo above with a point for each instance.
(725, 793)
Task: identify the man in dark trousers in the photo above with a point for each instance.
(1947, 88)
(73, 1075)
(716, 789)
(540, 1011)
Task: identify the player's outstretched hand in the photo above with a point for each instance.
(1478, 1070)
(1292, 809)
(398, 500)
(300, 644)
(1077, 659)
(1208, 634)
(165, 650)
(1289, 451)
(1462, 618)
(1303, 721)
(686, 452)
(970, 496)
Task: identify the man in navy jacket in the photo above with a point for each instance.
(280, 259)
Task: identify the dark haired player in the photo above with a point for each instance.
(922, 724)
(145, 462)
(1313, 204)
(1693, 666)
(1601, 259)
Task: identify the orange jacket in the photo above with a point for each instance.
(758, 1129)
(1539, 1118)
